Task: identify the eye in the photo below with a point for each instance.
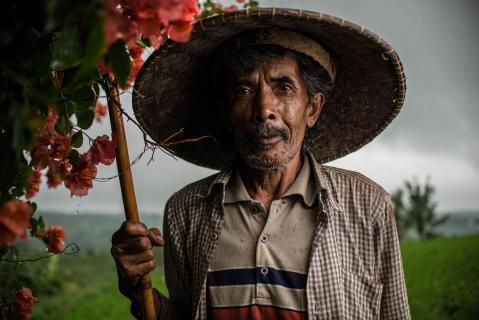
(285, 87)
(243, 91)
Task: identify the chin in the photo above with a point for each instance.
(268, 159)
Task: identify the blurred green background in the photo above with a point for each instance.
(442, 274)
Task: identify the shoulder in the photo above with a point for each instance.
(355, 193)
(341, 177)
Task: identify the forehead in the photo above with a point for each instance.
(285, 65)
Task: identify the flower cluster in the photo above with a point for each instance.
(16, 218)
(150, 21)
(54, 152)
(53, 237)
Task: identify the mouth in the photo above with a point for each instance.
(268, 141)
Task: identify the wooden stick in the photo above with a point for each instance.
(126, 181)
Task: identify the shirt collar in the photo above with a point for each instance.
(303, 186)
(322, 183)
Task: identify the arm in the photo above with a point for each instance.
(394, 301)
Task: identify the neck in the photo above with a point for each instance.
(269, 185)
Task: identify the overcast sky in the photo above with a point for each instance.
(435, 134)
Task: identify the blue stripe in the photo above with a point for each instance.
(231, 277)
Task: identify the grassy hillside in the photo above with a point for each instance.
(442, 278)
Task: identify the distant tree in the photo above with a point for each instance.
(399, 212)
(416, 209)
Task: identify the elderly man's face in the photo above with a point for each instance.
(269, 112)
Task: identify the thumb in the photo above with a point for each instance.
(155, 237)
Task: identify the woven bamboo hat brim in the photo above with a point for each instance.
(172, 92)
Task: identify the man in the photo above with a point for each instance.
(273, 235)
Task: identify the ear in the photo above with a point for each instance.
(315, 108)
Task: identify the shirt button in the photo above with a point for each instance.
(214, 236)
(254, 209)
(264, 271)
(264, 238)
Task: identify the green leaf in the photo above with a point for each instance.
(70, 107)
(77, 139)
(120, 61)
(33, 205)
(85, 119)
(94, 47)
(67, 50)
(34, 224)
(74, 156)
(85, 98)
(41, 224)
(63, 125)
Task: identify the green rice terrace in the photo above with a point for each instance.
(442, 274)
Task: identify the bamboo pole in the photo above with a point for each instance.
(126, 182)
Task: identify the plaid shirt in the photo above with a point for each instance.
(355, 269)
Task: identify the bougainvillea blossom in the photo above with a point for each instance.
(131, 20)
(103, 150)
(14, 220)
(55, 238)
(80, 178)
(57, 171)
(23, 305)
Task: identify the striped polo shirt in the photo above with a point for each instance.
(260, 264)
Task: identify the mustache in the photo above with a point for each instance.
(264, 131)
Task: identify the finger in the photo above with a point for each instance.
(135, 259)
(155, 237)
(129, 229)
(137, 271)
(133, 245)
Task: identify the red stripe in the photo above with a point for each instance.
(255, 312)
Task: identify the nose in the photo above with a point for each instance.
(264, 105)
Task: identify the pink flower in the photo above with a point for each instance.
(24, 304)
(55, 236)
(14, 220)
(57, 171)
(80, 178)
(103, 150)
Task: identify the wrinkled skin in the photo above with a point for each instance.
(132, 249)
(268, 111)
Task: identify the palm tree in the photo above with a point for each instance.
(399, 212)
(419, 210)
